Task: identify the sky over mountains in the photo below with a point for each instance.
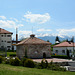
(41, 17)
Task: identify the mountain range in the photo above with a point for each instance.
(52, 38)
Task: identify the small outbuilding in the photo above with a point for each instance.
(33, 47)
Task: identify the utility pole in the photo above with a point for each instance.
(72, 40)
(73, 57)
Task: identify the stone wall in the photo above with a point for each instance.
(34, 51)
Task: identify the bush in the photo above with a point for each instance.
(55, 67)
(60, 56)
(15, 62)
(7, 60)
(1, 59)
(23, 60)
(43, 64)
(29, 63)
(12, 55)
(12, 61)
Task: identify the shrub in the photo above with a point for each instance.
(23, 60)
(1, 59)
(15, 62)
(7, 60)
(60, 56)
(29, 63)
(12, 61)
(55, 67)
(12, 55)
(43, 64)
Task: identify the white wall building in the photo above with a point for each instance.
(64, 48)
(5, 39)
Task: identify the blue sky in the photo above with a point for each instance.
(43, 17)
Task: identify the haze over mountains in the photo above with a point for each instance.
(52, 38)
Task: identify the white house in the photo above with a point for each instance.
(5, 39)
(64, 48)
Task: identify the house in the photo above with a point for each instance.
(5, 39)
(64, 48)
(33, 47)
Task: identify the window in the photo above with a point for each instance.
(2, 40)
(63, 51)
(5, 35)
(8, 41)
(2, 35)
(70, 51)
(8, 47)
(2, 46)
(56, 51)
(8, 35)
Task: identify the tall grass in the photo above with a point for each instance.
(13, 70)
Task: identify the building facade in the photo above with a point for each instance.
(33, 48)
(64, 48)
(5, 39)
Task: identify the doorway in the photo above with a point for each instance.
(44, 55)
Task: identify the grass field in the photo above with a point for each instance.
(8, 53)
(18, 70)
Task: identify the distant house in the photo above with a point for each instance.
(64, 48)
(5, 39)
(33, 48)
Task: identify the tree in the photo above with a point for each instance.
(57, 41)
(57, 38)
(72, 39)
(47, 40)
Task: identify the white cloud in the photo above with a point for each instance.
(24, 34)
(37, 18)
(7, 24)
(14, 19)
(40, 30)
(2, 17)
(20, 25)
(64, 32)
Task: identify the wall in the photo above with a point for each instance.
(4, 40)
(33, 51)
(63, 48)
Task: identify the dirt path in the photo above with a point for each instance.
(53, 59)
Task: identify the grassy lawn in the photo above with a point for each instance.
(18, 70)
(8, 53)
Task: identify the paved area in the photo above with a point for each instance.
(53, 59)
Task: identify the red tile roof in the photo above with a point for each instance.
(32, 40)
(65, 44)
(2, 31)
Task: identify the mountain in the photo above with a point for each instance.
(52, 38)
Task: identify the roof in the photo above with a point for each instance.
(4, 31)
(33, 40)
(15, 41)
(65, 44)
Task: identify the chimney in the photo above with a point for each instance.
(16, 35)
(32, 35)
(0, 29)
